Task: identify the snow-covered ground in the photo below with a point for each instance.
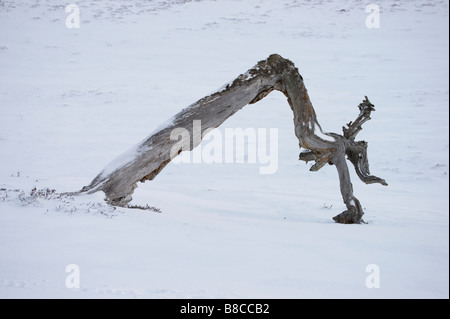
(72, 99)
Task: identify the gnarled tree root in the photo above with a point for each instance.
(119, 179)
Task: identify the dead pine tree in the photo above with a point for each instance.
(119, 179)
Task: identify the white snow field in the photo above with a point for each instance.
(73, 99)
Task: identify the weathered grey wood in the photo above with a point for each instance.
(119, 179)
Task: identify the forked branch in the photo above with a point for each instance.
(354, 127)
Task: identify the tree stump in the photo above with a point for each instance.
(119, 179)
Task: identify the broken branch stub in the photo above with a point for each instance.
(119, 179)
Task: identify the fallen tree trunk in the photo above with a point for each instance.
(119, 179)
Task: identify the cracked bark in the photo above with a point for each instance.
(274, 73)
